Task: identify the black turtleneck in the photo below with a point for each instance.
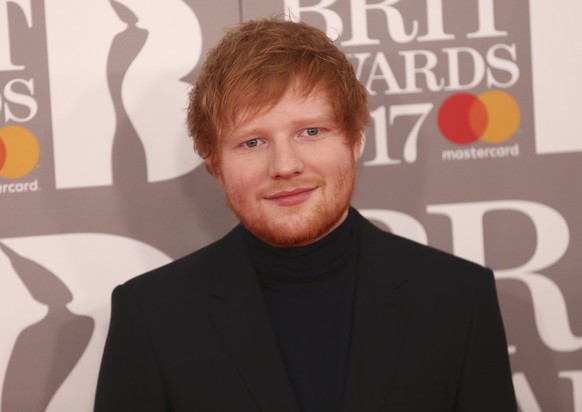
(309, 294)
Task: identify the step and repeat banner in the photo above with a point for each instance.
(474, 148)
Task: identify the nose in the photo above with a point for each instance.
(285, 160)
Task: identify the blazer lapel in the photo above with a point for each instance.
(379, 325)
(239, 313)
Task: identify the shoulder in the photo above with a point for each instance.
(191, 273)
(433, 268)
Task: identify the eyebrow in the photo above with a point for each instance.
(303, 122)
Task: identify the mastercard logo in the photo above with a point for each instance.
(492, 117)
(19, 152)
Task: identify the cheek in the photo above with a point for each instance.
(335, 163)
(241, 179)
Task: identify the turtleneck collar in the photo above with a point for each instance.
(304, 263)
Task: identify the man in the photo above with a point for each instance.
(305, 306)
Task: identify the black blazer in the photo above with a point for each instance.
(195, 335)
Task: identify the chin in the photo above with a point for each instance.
(292, 230)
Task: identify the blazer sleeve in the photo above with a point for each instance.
(486, 383)
(129, 379)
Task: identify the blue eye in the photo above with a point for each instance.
(312, 131)
(251, 143)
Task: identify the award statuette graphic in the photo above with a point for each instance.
(46, 352)
(125, 47)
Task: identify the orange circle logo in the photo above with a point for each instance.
(19, 152)
(492, 117)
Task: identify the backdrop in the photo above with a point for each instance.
(474, 148)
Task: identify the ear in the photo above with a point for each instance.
(212, 168)
(358, 148)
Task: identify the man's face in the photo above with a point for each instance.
(288, 173)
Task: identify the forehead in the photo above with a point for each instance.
(296, 107)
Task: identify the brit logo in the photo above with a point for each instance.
(431, 73)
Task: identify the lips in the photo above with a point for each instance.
(291, 197)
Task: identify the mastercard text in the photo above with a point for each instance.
(19, 187)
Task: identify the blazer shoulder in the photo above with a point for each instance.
(419, 260)
(194, 269)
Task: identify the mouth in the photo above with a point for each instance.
(291, 197)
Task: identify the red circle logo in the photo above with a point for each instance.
(492, 117)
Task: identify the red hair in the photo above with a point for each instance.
(253, 66)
